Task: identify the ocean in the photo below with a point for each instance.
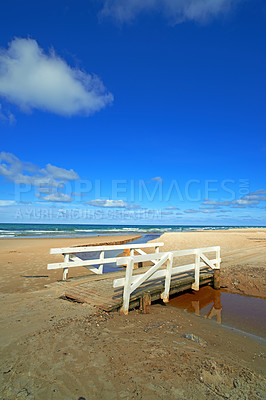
(81, 230)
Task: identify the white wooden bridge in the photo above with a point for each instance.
(138, 285)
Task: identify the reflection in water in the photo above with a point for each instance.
(206, 302)
(237, 311)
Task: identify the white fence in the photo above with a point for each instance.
(72, 256)
(132, 282)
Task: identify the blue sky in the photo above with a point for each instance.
(133, 112)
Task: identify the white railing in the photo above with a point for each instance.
(72, 256)
(131, 282)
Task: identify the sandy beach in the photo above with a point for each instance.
(24, 261)
(243, 253)
(56, 349)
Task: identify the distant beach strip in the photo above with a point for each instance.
(78, 230)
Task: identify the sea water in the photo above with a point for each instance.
(80, 230)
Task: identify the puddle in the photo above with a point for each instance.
(244, 313)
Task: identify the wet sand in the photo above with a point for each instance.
(56, 349)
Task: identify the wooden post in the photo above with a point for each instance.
(217, 272)
(65, 270)
(127, 286)
(140, 264)
(132, 251)
(216, 279)
(195, 285)
(217, 300)
(127, 254)
(196, 306)
(145, 303)
(100, 269)
(168, 274)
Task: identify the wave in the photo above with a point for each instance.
(63, 230)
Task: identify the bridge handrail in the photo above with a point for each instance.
(131, 282)
(72, 259)
(87, 249)
(177, 253)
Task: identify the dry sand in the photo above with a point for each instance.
(55, 349)
(24, 262)
(243, 253)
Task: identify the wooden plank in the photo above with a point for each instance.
(141, 258)
(147, 275)
(187, 252)
(161, 273)
(176, 286)
(178, 253)
(141, 252)
(112, 300)
(210, 263)
(84, 263)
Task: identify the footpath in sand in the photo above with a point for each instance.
(55, 349)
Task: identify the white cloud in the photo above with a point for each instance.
(175, 10)
(45, 190)
(157, 179)
(7, 203)
(251, 199)
(245, 202)
(21, 172)
(57, 196)
(206, 210)
(60, 173)
(256, 197)
(261, 191)
(112, 204)
(78, 194)
(167, 212)
(31, 79)
(171, 208)
(216, 203)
